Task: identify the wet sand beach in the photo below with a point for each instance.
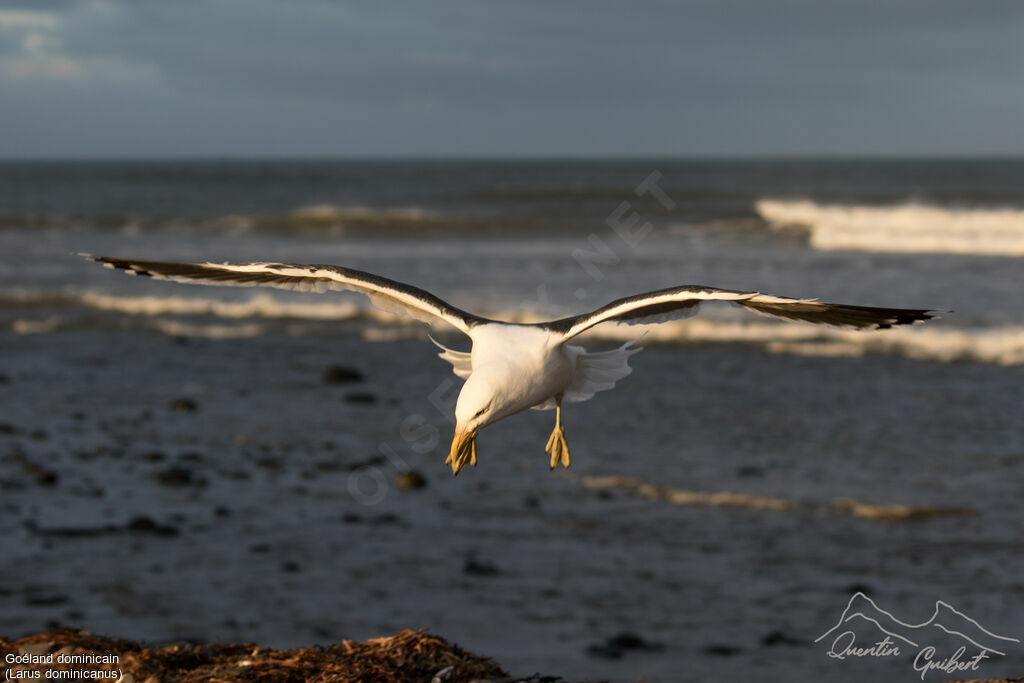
(292, 490)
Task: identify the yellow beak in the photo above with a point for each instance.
(463, 450)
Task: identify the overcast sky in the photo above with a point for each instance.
(214, 78)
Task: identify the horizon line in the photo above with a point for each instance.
(518, 158)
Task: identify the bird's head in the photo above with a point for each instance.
(478, 406)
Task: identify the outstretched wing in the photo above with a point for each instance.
(682, 302)
(389, 295)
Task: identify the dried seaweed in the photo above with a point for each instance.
(406, 656)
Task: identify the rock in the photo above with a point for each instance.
(146, 525)
(361, 397)
(627, 641)
(478, 568)
(617, 646)
(411, 479)
(184, 405)
(337, 374)
(178, 476)
(719, 650)
(41, 475)
(779, 638)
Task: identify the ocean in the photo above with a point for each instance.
(884, 462)
(532, 239)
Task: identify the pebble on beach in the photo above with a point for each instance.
(411, 479)
(337, 374)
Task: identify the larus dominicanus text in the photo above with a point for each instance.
(514, 366)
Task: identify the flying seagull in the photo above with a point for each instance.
(515, 366)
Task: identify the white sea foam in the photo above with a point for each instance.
(907, 227)
(50, 324)
(176, 328)
(259, 306)
(331, 219)
(331, 212)
(1003, 345)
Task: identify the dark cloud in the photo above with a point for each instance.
(461, 76)
(36, 5)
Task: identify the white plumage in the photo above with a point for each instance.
(513, 366)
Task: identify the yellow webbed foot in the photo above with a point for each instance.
(558, 447)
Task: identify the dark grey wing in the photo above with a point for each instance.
(390, 295)
(682, 302)
(840, 315)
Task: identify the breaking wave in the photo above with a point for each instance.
(1002, 345)
(313, 219)
(265, 314)
(909, 227)
(258, 306)
(365, 218)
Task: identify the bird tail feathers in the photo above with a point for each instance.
(595, 372)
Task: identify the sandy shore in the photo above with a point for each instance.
(253, 491)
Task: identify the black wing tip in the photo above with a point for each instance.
(910, 317)
(128, 266)
(106, 261)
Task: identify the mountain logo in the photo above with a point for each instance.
(946, 624)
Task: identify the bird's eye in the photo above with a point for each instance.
(480, 412)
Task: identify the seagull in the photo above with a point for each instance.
(515, 366)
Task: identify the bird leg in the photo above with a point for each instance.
(557, 446)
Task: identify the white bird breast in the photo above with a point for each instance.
(526, 363)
